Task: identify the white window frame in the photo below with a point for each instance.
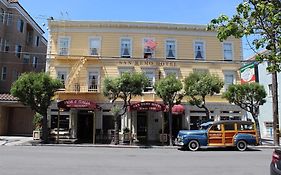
(224, 50)
(99, 45)
(20, 25)
(10, 19)
(62, 71)
(143, 43)
(35, 61)
(64, 50)
(95, 72)
(166, 48)
(122, 70)
(130, 47)
(1, 44)
(6, 46)
(2, 14)
(227, 73)
(26, 59)
(37, 41)
(203, 50)
(151, 71)
(4, 71)
(17, 51)
(168, 71)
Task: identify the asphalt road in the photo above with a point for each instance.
(52, 160)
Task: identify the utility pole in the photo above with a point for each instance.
(275, 109)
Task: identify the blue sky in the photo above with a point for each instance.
(175, 11)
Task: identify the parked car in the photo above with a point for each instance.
(275, 165)
(227, 133)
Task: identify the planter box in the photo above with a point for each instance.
(36, 135)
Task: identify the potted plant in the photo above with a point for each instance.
(126, 134)
(37, 124)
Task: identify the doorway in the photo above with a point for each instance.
(177, 124)
(85, 127)
(142, 127)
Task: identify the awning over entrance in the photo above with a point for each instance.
(178, 109)
(147, 106)
(78, 103)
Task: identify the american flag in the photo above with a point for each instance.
(150, 44)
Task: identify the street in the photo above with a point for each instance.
(53, 160)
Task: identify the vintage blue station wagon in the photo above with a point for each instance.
(227, 133)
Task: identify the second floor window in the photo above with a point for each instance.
(170, 49)
(18, 51)
(228, 79)
(126, 47)
(199, 50)
(61, 75)
(95, 46)
(93, 81)
(4, 73)
(35, 62)
(64, 43)
(20, 24)
(227, 51)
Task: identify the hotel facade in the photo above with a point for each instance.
(82, 53)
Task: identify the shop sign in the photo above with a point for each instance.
(147, 63)
(147, 106)
(77, 103)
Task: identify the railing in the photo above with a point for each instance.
(79, 87)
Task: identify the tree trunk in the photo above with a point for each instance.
(116, 131)
(207, 112)
(275, 109)
(170, 126)
(45, 133)
(257, 128)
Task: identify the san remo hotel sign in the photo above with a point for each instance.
(147, 63)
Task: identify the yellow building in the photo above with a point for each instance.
(82, 53)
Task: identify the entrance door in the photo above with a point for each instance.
(177, 125)
(85, 127)
(215, 135)
(142, 127)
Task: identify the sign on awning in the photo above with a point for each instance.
(77, 103)
(148, 106)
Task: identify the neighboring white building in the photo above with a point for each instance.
(266, 114)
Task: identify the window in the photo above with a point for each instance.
(16, 75)
(150, 74)
(270, 89)
(216, 127)
(170, 49)
(1, 44)
(93, 81)
(6, 46)
(64, 43)
(63, 123)
(172, 72)
(62, 75)
(229, 79)
(199, 50)
(149, 47)
(229, 126)
(242, 127)
(227, 51)
(26, 58)
(35, 62)
(20, 24)
(269, 128)
(95, 46)
(2, 15)
(199, 70)
(37, 41)
(126, 46)
(9, 19)
(18, 51)
(4, 73)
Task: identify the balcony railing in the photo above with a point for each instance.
(80, 87)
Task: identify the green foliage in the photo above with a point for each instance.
(168, 89)
(125, 87)
(37, 121)
(198, 85)
(261, 18)
(248, 96)
(35, 90)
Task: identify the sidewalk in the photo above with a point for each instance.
(28, 141)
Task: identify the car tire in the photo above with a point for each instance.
(241, 145)
(193, 145)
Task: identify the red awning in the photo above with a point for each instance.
(178, 109)
(77, 103)
(147, 106)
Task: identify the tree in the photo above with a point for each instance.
(249, 97)
(168, 89)
(36, 90)
(199, 85)
(124, 87)
(260, 19)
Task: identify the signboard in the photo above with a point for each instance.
(248, 73)
(77, 103)
(147, 106)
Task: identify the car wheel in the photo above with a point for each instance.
(241, 145)
(193, 145)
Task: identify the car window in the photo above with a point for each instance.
(216, 127)
(242, 127)
(229, 126)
